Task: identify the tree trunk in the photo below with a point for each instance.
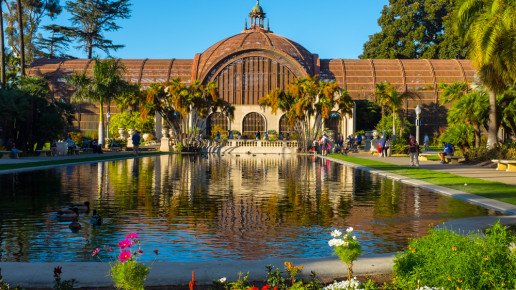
(2, 47)
(22, 41)
(393, 125)
(492, 138)
(476, 127)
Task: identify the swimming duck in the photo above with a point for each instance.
(82, 207)
(96, 219)
(68, 214)
(75, 225)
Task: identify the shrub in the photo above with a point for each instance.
(399, 146)
(446, 259)
(130, 120)
(483, 154)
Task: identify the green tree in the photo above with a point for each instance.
(507, 103)
(490, 27)
(90, 19)
(451, 93)
(388, 97)
(413, 29)
(105, 84)
(472, 109)
(306, 103)
(55, 46)
(33, 12)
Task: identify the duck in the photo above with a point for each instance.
(75, 226)
(96, 219)
(68, 214)
(82, 207)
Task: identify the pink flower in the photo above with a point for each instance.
(155, 251)
(124, 256)
(95, 252)
(125, 243)
(110, 249)
(140, 252)
(132, 236)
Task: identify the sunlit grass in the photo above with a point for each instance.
(490, 189)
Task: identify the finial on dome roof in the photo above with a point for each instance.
(257, 16)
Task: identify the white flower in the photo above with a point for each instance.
(222, 280)
(352, 284)
(336, 233)
(354, 237)
(349, 230)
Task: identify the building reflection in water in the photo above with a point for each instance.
(198, 208)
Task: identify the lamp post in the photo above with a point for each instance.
(418, 112)
(108, 116)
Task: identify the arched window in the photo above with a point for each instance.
(284, 127)
(334, 122)
(252, 124)
(216, 120)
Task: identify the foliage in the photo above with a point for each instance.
(292, 271)
(217, 128)
(126, 271)
(346, 247)
(503, 152)
(460, 135)
(399, 146)
(306, 103)
(179, 147)
(450, 260)
(121, 142)
(91, 19)
(105, 85)
(416, 29)
(77, 138)
(368, 114)
(130, 120)
(490, 28)
(62, 284)
(272, 132)
(34, 11)
(28, 112)
(177, 102)
(242, 282)
(56, 46)
(385, 124)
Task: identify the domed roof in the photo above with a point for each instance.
(257, 39)
(257, 8)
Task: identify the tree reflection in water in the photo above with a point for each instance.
(196, 208)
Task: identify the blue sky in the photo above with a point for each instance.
(179, 29)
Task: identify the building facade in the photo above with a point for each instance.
(250, 64)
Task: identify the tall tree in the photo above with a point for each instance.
(2, 47)
(387, 96)
(91, 18)
(33, 13)
(306, 103)
(20, 32)
(104, 85)
(415, 29)
(55, 46)
(490, 27)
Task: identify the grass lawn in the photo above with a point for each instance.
(494, 190)
(73, 160)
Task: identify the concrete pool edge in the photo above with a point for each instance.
(95, 274)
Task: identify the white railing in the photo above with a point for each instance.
(262, 143)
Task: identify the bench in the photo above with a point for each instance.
(6, 154)
(424, 156)
(505, 165)
(9, 154)
(47, 153)
(453, 159)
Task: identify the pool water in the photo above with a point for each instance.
(197, 208)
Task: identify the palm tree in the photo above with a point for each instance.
(472, 109)
(388, 96)
(22, 41)
(490, 26)
(102, 87)
(452, 92)
(2, 47)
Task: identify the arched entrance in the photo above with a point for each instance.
(334, 123)
(216, 122)
(252, 124)
(284, 127)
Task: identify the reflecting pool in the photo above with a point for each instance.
(195, 208)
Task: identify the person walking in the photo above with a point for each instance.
(136, 142)
(385, 150)
(71, 144)
(426, 142)
(359, 141)
(413, 151)
(381, 146)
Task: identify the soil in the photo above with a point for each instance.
(379, 279)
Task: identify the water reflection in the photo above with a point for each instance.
(195, 208)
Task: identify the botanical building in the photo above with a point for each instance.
(248, 65)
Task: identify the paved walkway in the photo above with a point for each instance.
(169, 273)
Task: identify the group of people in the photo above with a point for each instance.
(321, 145)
